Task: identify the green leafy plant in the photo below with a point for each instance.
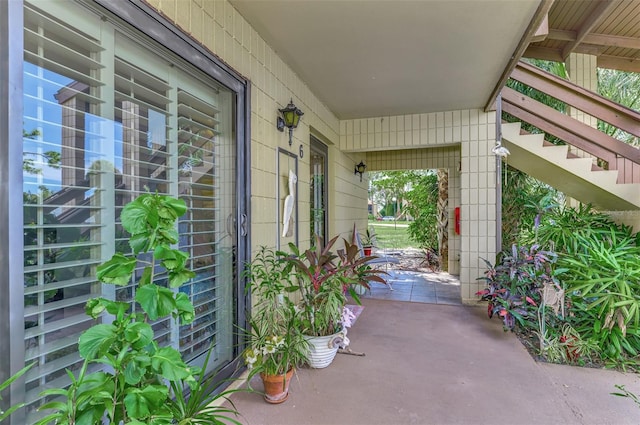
(514, 285)
(275, 343)
(368, 238)
(626, 393)
(604, 285)
(562, 228)
(139, 379)
(4, 385)
(201, 404)
(324, 278)
(567, 346)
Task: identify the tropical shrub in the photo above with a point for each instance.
(422, 205)
(142, 383)
(603, 281)
(523, 199)
(324, 278)
(514, 285)
(565, 345)
(561, 229)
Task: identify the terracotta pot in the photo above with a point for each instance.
(276, 387)
(367, 250)
(322, 349)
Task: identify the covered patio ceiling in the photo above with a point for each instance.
(608, 29)
(388, 57)
(366, 58)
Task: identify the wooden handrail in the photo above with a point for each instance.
(587, 101)
(618, 155)
(567, 128)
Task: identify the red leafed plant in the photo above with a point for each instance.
(324, 278)
(513, 286)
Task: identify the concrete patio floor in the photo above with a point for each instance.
(441, 364)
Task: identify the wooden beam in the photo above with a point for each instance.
(613, 41)
(589, 49)
(538, 17)
(619, 63)
(596, 39)
(594, 18)
(561, 35)
(542, 32)
(544, 53)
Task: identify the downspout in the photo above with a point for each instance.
(498, 174)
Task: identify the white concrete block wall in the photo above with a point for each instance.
(222, 30)
(401, 132)
(427, 159)
(473, 133)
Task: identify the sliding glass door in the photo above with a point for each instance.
(110, 114)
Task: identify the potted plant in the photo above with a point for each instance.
(368, 241)
(324, 278)
(275, 344)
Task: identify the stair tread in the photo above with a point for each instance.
(627, 194)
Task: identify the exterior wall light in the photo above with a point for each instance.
(290, 119)
(360, 169)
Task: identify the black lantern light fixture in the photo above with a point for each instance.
(360, 169)
(290, 119)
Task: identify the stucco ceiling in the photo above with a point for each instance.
(371, 58)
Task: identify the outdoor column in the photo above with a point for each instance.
(581, 70)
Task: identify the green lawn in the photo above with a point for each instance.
(391, 235)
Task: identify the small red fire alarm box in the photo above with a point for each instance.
(456, 213)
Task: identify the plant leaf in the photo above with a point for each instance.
(141, 402)
(168, 363)
(117, 270)
(155, 300)
(136, 214)
(138, 334)
(96, 341)
(185, 308)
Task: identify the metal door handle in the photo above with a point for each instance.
(243, 225)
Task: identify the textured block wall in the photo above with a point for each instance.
(472, 133)
(222, 30)
(428, 159)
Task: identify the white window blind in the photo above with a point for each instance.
(61, 243)
(107, 117)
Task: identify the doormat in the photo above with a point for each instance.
(356, 310)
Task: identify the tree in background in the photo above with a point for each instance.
(623, 88)
(443, 218)
(386, 185)
(417, 192)
(422, 204)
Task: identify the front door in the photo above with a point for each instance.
(318, 190)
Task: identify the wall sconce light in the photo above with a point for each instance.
(360, 169)
(290, 119)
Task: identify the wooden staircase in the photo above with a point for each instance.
(577, 177)
(607, 176)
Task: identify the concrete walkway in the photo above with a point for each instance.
(434, 288)
(442, 364)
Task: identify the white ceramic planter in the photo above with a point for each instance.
(323, 349)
